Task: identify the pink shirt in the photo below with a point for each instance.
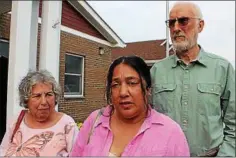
(158, 136)
(53, 141)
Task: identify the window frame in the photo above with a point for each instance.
(66, 94)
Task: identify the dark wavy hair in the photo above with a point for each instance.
(138, 65)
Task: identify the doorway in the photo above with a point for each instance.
(4, 51)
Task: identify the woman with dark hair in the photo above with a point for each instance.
(129, 126)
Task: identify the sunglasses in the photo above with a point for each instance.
(183, 21)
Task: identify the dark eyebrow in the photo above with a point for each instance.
(127, 78)
(115, 79)
(132, 78)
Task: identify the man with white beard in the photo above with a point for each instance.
(196, 88)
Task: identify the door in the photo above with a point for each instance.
(4, 52)
(3, 94)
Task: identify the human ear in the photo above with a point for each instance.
(201, 25)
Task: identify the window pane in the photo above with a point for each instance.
(73, 85)
(73, 64)
(4, 49)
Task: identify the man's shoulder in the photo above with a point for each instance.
(164, 61)
(212, 56)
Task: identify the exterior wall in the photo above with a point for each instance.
(5, 26)
(72, 19)
(95, 70)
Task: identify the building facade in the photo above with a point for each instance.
(80, 65)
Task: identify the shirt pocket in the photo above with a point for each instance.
(209, 99)
(163, 97)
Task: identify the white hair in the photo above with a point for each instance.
(196, 7)
(32, 78)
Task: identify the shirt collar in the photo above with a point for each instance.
(200, 58)
(105, 117)
(176, 60)
(152, 118)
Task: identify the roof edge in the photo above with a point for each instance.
(92, 16)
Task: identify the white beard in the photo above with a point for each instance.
(180, 46)
(184, 46)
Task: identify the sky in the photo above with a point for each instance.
(144, 20)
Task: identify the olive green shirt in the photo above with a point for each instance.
(200, 97)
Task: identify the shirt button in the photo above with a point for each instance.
(185, 103)
(212, 89)
(186, 71)
(185, 122)
(186, 86)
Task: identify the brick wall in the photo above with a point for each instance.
(95, 67)
(5, 26)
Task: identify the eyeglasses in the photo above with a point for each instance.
(183, 21)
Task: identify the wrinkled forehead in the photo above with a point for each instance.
(42, 85)
(183, 10)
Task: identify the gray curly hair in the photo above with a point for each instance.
(32, 78)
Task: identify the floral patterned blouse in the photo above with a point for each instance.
(54, 141)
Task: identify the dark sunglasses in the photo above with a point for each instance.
(183, 21)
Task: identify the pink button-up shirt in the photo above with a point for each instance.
(158, 136)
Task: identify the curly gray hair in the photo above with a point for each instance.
(32, 78)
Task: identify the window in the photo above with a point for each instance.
(4, 48)
(74, 76)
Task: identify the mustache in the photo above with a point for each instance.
(178, 34)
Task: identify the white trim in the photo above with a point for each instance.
(151, 61)
(101, 23)
(73, 96)
(3, 40)
(86, 36)
(163, 43)
(171, 47)
(80, 75)
(83, 35)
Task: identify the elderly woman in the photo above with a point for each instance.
(129, 126)
(39, 130)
